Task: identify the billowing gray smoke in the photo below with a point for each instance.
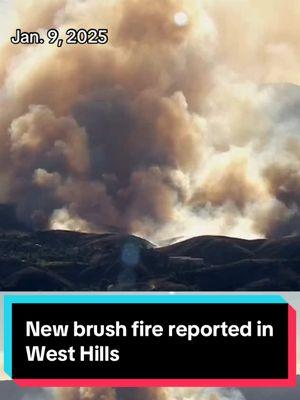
(148, 394)
(172, 126)
(109, 394)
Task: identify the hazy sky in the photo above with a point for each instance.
(5, 18)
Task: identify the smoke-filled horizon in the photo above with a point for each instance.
(186, 122)
(147, 394)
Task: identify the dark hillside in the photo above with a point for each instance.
(63, 260)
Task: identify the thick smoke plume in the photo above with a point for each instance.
(148, 394)
(180, 123)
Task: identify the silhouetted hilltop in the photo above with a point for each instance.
(63, 260)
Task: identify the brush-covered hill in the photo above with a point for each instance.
(63, 260)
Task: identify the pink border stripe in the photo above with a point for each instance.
(290, 382)
(156, 383)
(292, 324)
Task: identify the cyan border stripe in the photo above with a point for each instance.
(145, 299)
(121, 299)
(7, 321)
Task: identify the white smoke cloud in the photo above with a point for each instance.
(149, 394)
(171, 126)
(205, 394)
